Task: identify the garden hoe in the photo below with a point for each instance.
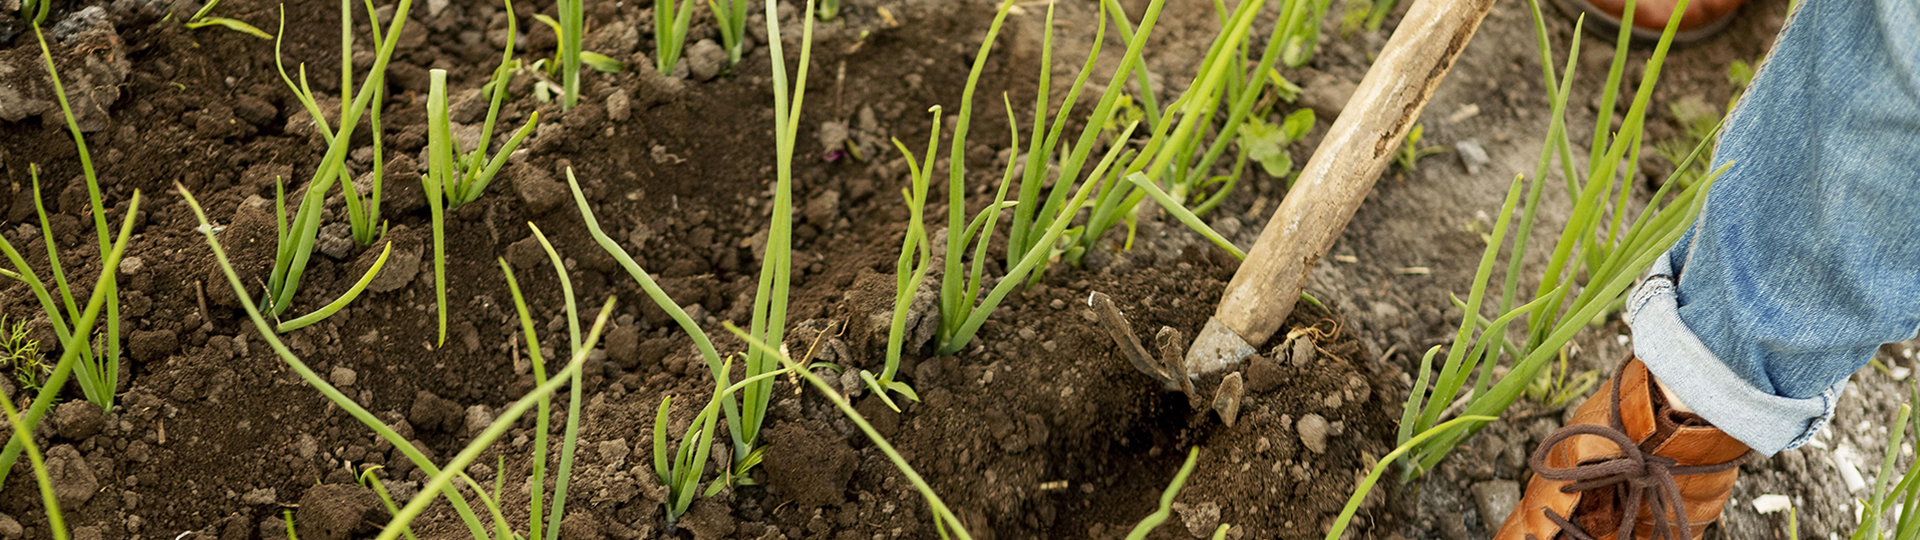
(1354, 153)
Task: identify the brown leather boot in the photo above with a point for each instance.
(1626, 450)
(1702, 19)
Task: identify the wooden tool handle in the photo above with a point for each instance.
(1355, 151)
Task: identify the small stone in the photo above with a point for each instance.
(478, 418)
(131, 265)
(1471, 155)
(262, 496)
(619, 106)
(1313, 432)
(343, 376)
(1302, 352)
(1226, 399)
(705, 58)
(1496, 499)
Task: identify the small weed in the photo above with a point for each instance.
(22, 355)
(201, 19)
(1410, 152)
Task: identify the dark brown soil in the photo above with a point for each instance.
(1039, 429)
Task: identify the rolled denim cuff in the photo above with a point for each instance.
(1683, 364)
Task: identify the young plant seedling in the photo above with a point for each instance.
(745, 416)
(1410, 152)
(202, 19)
(961, 316)
(911, 269)
(572, 30)
(1891, 509)
(731, 17)
(944, 521)
(1174, 156)
(441, 479)
(48, 501)
(776, 271)
(454, 176)
(296, 238)
(570, 436)
(99, 370)
(1568, 296)
(363, 214)
(670, 33)
(73, 342)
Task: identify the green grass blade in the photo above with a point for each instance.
(76, 342)
(493, 432)
(538, 485)
(307, 374)
(343, 300)
(1181, 213)
(1360, 493)
(570, 439)
(660, 298)
(1153, 521)
(940, 511)
(55, 520)
(1015, 275)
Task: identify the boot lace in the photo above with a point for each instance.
(1636, 476)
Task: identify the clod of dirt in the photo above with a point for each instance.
(261, 496)
(823, 208)
(815, 463)
(335, 240)
(152, 345)
(1200, 518)
(433, 412)
(616, 39)
(73, 480)
(343, 376)
(92, 67)
(1263, 374)
(536, 187)
(580, 526)
(710, 519)
(249, 241)
(1313, 432)
(10, 528)
(619, 106)
(335, 512)
(79, 419)
(402, 265)
(704, 59)
(623, 346)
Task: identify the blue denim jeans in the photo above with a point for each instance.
(1806, 257)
